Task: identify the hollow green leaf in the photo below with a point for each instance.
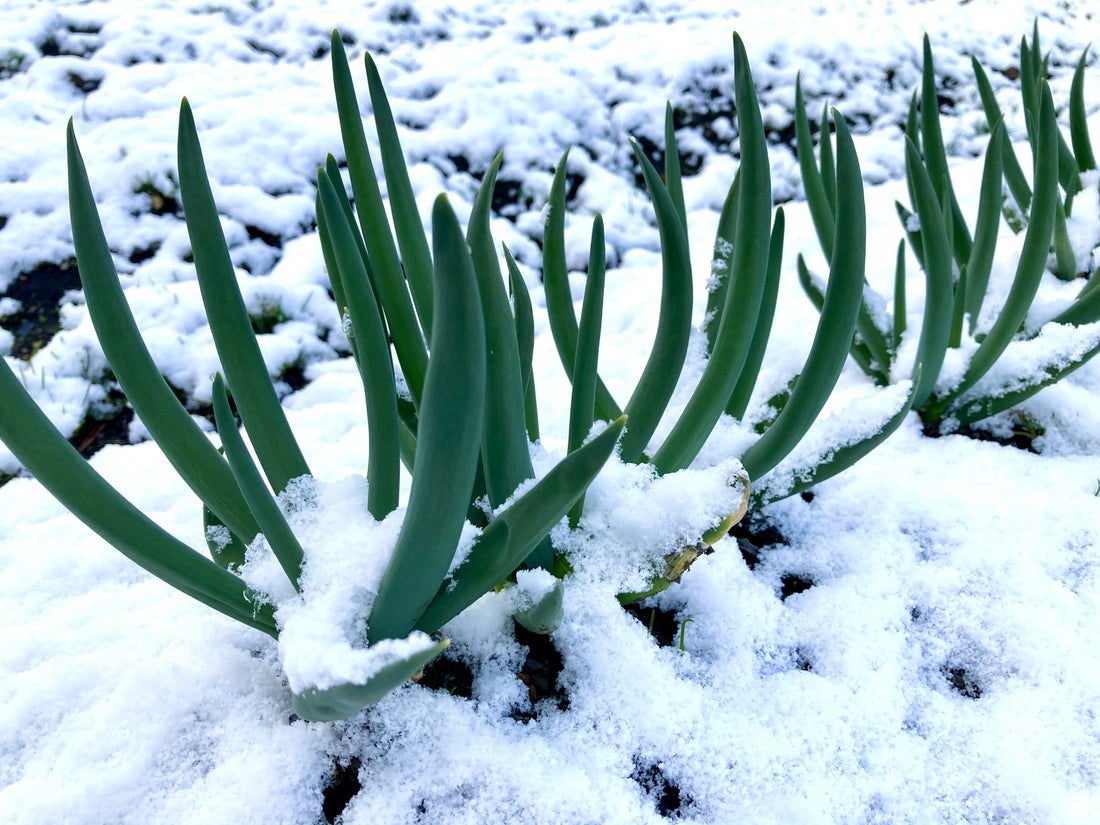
(416, 258)
(908, 220)
(912, 127)
(1085, 308)
(510, 537)
(821, 211)
(935, 157)
(1033, 256)
(344, 700)
(1013, 172)
(559, 297)
(859, 351)
(238, 350)
(1065, 259)
(874, 339)
(226, 548)
(935, 331)
(525, 338)
(839, 459)
(452, 416)
(332, 169)
(545, 615)
(969, 411)
(374, 361)
(280, 538)
(504, 451)
(662, 370)
(1068, 173)
(1029, 87)
(58, 467)
(748, 271)
(958, 311)
(184, 445)
(384, 263)
(720, 272)
(828, 162)
(582, 402)
(672, 179)
(505, 455)
(839, 313)
(991, 195)
(746, 383)
(1078, 118)
(900, 309)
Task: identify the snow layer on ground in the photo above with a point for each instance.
(944, 665)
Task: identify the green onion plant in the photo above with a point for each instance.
(443, 345)
(467, 382)
(957, 261)
(741, 305)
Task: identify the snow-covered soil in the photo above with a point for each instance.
(916, 642)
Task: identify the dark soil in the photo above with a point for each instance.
(39, 318)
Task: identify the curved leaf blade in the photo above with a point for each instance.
(238, 350)
(666, 359)
(749, 271)
(345, 700)
(58, 467)
(836, 328)
(185, 446)
(510, 537)
(452, 417)
(280, 538)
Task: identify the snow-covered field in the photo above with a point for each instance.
(940, 660)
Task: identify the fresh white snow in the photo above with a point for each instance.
(943, 668)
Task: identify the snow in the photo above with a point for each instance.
(943, 666)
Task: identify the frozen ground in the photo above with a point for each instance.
(941, 660)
